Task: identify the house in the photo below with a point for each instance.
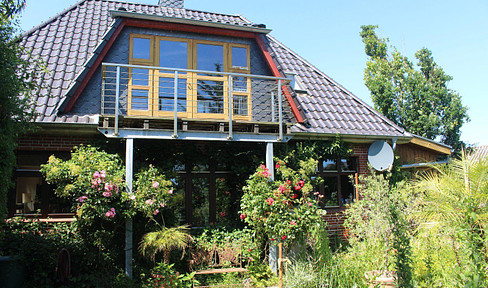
(132, 73)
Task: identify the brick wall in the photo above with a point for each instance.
(361, 151)
(50, 143)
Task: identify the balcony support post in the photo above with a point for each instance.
(129, 159)
(230, 106)
(117, 96)
(280, 110)
(175, 106)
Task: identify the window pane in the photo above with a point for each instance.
(210, 96)
(347, 190)
(239, 84)
(140, 77)
(28, 198)
(210, 57)
(173, 54)
(140, 99)
(240, 105)
(329, 165)
(348, 165)
(200, 202)
(239, 57)
(141, 48)
(331, 194)
(223, 200)
(166, 94)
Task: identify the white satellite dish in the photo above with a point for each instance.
(380, 155)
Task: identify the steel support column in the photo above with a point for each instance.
(129, 160)
(273, 250)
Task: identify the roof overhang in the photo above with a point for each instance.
(352, 138)
(430, 144)
(133, 15)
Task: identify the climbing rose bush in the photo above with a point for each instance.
(286, 208)
(94, 182)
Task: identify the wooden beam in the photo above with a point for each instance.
(94, 67)
(429, 144)
(188, 28)
(276, 73)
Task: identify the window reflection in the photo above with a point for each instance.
(141, 48)
(210, 96)
(166, 94)
(239, 57)
(140, 77)
(173, 54)
(140, 99)
(329, 165)
(210, 57)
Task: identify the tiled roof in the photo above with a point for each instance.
(69, 43)
(480, 153)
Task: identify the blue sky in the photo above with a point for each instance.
(326, 33)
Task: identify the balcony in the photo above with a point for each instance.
(155, 101)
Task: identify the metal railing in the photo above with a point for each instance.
(159, 92)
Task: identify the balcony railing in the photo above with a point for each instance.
(169, 93)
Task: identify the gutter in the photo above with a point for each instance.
(351, 137)
(126, 14)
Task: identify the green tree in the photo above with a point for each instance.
(417, 100)
(16, 82)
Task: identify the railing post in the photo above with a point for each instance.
(273, 118)
(280, 111)
(175, 106)
(230, 107)
(117, 96)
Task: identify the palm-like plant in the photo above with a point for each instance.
(456, 196)
(164, 240)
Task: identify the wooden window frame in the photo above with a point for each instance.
(191, 79)
(337, 174)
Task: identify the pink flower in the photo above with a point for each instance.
(270, 201)
(110, 213)
(262, 166)
(132, 197)
(298, 187)
(309, 204)
(277, 165)
(301, 182)
(109, 187)
(155, 184)
(170, 191)
(162, 205)
(107, 194)
(283, 237)
(281, 188)
(222, 214)
(102, 174)
(321, 196)
(292, 222)
(243, 216)
(156, 212)
(149, 202)
(227, 192)
(315, 193)
(96, 174)
(295, 196)
(82, 199)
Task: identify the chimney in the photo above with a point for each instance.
(171, 3)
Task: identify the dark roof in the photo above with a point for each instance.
(70, 41)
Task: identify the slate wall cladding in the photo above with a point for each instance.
(90, 99)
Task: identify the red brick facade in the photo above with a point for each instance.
(50, 143)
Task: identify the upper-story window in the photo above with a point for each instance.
(199, 94)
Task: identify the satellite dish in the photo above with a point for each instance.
(380, 155)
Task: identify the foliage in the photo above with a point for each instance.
(17, 78)
(284, 209)
(417, 100)
(38, 245)
(165, 239)
(261, 275)
(456, 214)
(164, 276)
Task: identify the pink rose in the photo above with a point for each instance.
(321, 196)
(222, 214)
(96, 174)
(309, 204)
(155, 184)
(277, 165)
(292, 222)
(102, 174)
(298, 187)
(132, 197)
(170, 191)
(295, 196)
(283, 237)
(315, 193)
(156, 212)
(270, 201)
(243, 216)
(82, 199)
(149, 202)
(107, 194)
(288, 182)
(109, 187)
(110, 213)
(281, 188)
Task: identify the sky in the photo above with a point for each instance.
(326, 33)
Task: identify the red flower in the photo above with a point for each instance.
(270, 201)
(222, 214)
(288, 182)
(298, 187)
(295, 196)
(283, 237)
(301, 182)
(272, 239)
(281, 188)
(277, 165)
(243, 216)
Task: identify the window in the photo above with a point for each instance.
(337, 190)
(199, 95)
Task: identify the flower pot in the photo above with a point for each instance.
(382, 278)
(11, 272)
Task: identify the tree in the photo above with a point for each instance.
(16, 82)
(417, 100)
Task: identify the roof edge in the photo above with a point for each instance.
(383, 117)
(355, 138)
(126, 14)
(431, 144)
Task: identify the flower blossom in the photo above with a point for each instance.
(107, 194)
(155, 184)
(283, 237)
(243, 216)
(132, 197)
(298, 187)
(149, 202)
(316, 193)
(277, 165)
(96, 175)
(292, 222)
(281, 188)
(222, 214)
(170, 191)
(82, 199)
(110, 213)
(102, 174)
(295, 196)
(270, 201)
(288, 181)
(109, 187)
(156, 212)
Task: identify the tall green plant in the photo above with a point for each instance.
(456, 197)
